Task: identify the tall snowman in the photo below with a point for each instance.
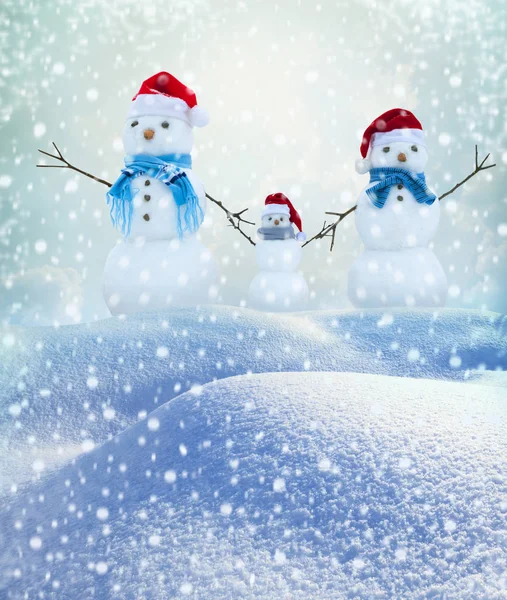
(279, 286)
(158, 204)
(397, 217)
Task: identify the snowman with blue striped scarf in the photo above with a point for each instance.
(397, 217)
(158, 204)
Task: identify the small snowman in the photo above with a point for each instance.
(158, 204)
(397, 217)
(279, 286)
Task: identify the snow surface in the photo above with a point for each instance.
(298, 485)
(66, 389)
(126, 463)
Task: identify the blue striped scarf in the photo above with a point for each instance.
(167, 168)
(389, 176)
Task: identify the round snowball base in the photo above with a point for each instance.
(278, 255)
(144, 276)
(278, 292)
(408, 277)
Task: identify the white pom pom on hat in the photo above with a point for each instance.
(198, 116)
(363, 165)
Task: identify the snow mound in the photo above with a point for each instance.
(318, 485)
(65, 390)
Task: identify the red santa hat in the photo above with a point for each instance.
(163, 95)
(280, 204)
(395, 125)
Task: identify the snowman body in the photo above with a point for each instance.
(156, 267)
(392, 278)
(397, 267)
(278, 286)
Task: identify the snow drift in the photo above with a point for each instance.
(299, 485)
(65, 390)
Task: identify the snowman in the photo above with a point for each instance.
(397, 217)
(279, 286)
(158, 204)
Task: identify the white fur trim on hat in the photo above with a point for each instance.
(166, 106)
(276, 209)
(301, 236)
(363, 165)
(381, 138)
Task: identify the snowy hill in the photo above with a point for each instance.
(296, 485)
(200, 453)
(65, 390)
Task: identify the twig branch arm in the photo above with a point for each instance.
(330, 230)
(231, 216)
(478, 168)
(66, 165)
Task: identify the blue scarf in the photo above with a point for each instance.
(389, 176)
(167, 168)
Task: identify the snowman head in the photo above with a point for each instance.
(395, 139)
(276, 220)
(161, 117)
(157, 135)
(280, 212)
(403, 155)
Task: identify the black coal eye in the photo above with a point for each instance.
(134, 123)
(386, 149)
(165, 124)
(414, 148)
(270, 219)
(281, 218)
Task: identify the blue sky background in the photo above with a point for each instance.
(290, 87)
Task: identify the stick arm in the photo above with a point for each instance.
(235, 218)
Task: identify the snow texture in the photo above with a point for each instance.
(278, 485)
(66, 389)
(129, 470)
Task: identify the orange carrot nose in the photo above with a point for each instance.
(402, 157)
(277, 222)
(148, 134)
